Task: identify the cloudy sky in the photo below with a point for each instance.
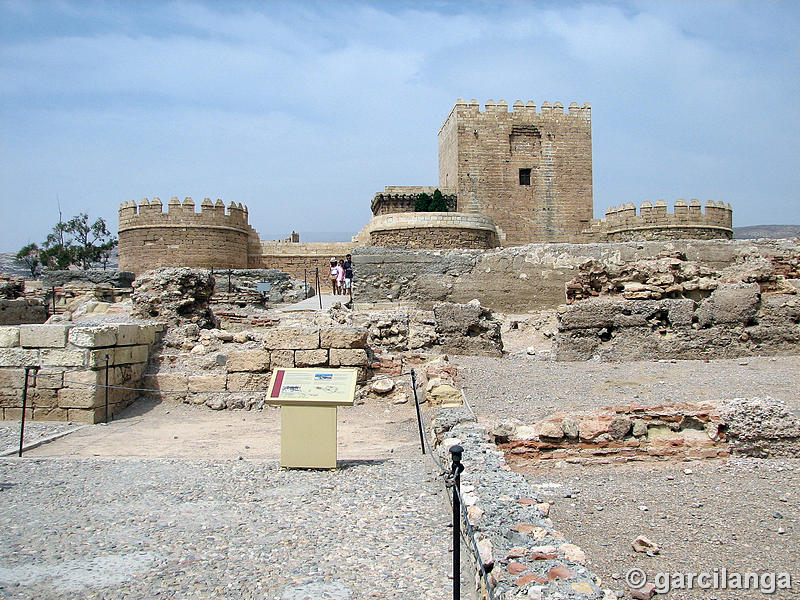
(303, 110)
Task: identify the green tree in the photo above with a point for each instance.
(77, 242)
(29, 256)
(89, 242)
(438, 203)
(422, 203)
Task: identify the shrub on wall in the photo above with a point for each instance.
(424, 203)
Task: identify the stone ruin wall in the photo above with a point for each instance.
(72, 361)
(532, 277)
(482, 152)
(213, 238)
(653, 223)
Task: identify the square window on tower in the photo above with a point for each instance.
(524, 176)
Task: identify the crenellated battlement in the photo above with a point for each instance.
(217, 235)
(148, 213)
(653, 221)
(520, 111)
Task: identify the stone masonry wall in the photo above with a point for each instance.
(72, 361)
(481, 154)
(622, 224)
(433, 230)
(532, 277)
(212, 238)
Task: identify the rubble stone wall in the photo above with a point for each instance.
(532, 277)
(72, 361)
(22, 310)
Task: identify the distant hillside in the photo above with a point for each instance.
(766, 231)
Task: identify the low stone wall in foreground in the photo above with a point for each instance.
(72, 366)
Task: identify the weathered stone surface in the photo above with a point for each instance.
(619, 427)
(127, 334)
(761, 427)
(9, 337)
(248, 381)
(643, 544)
(382, 386)
(294, 338)
(43, 336)
(355, 357)
(80, 397)
(93, 337)
(22, 310)
(247, 360)
(311, 358)
(206, 383)
(282, 358)
(730, 304)
(551, 430)
(467, 329)
(442, 393)
(343, 337)
(63, 358)
(589, 429)
(175, 295)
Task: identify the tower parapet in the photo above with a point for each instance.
(654, 222)
(150, 237)
(529, 169)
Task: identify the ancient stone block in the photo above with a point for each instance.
(282, 358)
(247, 360)
(63, 358)
(127, 334)
(355, 357)
(49, 378)
(15, 414)
(343, 337)
(43, 336)
(12, 378)
(42, 397)
(90, 416)
(248, 381)
(167, 382)
(93, 337)
(80, 398)
(9, 337)
(206, 383)
(49, 413)
(311, 358)
(730, 304)
(294, 338)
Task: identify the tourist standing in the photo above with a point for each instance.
(333, 277)
(348, 275)
(340, 276)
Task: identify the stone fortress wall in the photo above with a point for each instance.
(150, 238)
(530, 171)
(509, 178)
(687, 221)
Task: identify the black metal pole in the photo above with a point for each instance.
(229, 281)
(54, 300)
(24, 407)
(456, 452)
(106, 388)
(319, 289)
(305, 283)
(419, 413)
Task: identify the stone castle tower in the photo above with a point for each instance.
(530, 171)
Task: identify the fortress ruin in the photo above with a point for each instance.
(509, 178)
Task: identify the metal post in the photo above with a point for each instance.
(319, 288)
(419, 414)
(106, 388)
(54, 300)
(455, 472)
(24, 407)
(305, 283)
(229, 281)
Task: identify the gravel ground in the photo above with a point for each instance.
(35, 433)
(160, 528)
(529, 389)
(740, 514)
(726, 513)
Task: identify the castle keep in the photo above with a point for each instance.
(530, 171)
(509, 177)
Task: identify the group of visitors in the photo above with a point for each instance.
(341, 275)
